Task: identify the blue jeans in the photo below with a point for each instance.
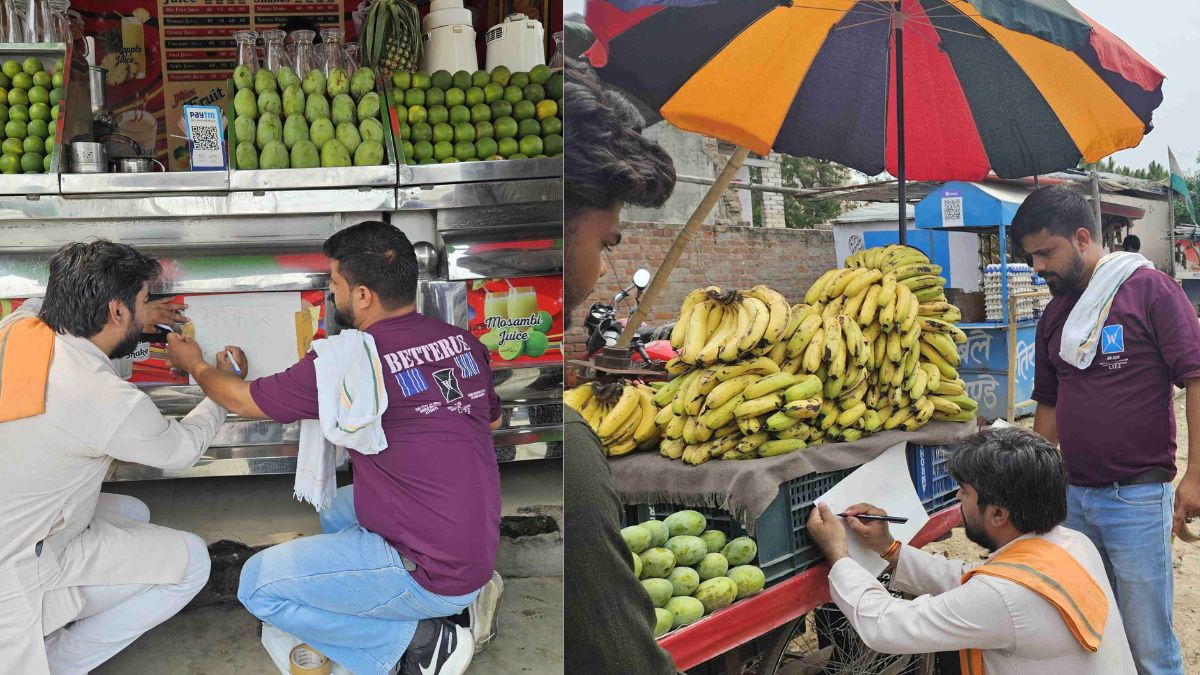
(1131, 526)
(345, 592)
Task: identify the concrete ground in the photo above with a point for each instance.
(216, 636)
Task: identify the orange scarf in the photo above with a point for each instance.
(1054, 574)
(26, 349)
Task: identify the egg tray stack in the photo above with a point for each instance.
(1043, 296)
(1020, 280)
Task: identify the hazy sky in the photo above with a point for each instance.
(1165, 32)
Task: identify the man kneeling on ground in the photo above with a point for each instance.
(85, 569)
(415, 537)
(1040, 603)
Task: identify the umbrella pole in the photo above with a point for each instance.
(681, 243)
(899, 37)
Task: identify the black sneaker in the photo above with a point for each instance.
(448, 653)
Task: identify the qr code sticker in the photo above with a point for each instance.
(952, 213)
(206, 138)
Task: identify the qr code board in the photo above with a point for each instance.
(206, 138)
(952, 213)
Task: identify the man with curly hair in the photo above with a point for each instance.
(609, 617)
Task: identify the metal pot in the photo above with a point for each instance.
(134, 165)
(88, 157)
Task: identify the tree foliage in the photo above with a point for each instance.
(806, 172)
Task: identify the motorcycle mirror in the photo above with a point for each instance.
(641, 278)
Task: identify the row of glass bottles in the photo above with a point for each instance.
(35, 21)
(301, 55)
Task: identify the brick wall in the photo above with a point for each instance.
(730, 257)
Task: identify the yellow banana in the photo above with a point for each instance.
(917, 383)
(800, 431)
(853, 338)
(931, 355)
(690, 301)
(665, 393)
(958, 335)
(728, 389)
(931, 294)
(759, 406)
(816, 292)
(814, 351)
(837, 367)
(915, 270)
(861, 282)
(903, 255)
(780, 447)
(895, 352)
(887, 313)
(697, 332)
(578, 396)
(898, 418)
(791, 364)
(803, 409)
(778, 354)
(871, 421)
(854, 303)
(838, 286)
(675, 428)
(887, 291)
(626, 430)
(761, 318)
(664, 417)
(750, 425)
(805, 386)
(945, 405)
(768, 385)
(829, 415)
(759, 366)
(833, 308)
(948, 387)
(672, 448)
(803, 335)
(866, 315)
(964, 416)
(648, 426)
(833, 339)
(621, 412)
(833, 387)
(710, 353)
(798, 313)
(915, 284)
(780, 421)
(944, 346)
(849, 417)
(935, 308)
(963, 402)
(677, 366)
(932, 373)
(751, 443)
(910, 313)
(780, 311)
(718, 417)
(621, 448)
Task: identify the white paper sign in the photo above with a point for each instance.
(262, 324)
(205, 137)
(883, 482)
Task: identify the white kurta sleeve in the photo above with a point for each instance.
(922, 573)
(970, 616)
(146, 437)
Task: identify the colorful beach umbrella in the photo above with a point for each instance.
(1018, 87)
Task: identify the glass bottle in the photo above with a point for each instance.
(39, 21)
(246, 55)
(334, 56)
(13, 23)
(276, 56)
(305, 58)
(351, 53)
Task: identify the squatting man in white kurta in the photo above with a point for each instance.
(84, 574)
(1040, 603)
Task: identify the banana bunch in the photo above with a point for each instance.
(726, 327)
(622, 414)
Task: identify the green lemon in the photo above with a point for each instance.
(523, 111)
(441, 79)
(460, 114)
(534, 93)
(434, 97)
(547, 321)
(11, 68)
(552, 144)
(536, 344)
(438, 114)
(401, 80)
(450, 160)
(508, 147)
(54, 112)
(552, 125)
(511, 349)
(464, 132)
(414, 97)
(44, 80)
(480, 112)
(33, 144)
(506, 127)
(421, 81)
(500, 75)
(546, 109)
(40, 111)
(554, 86)
(417, 113)
(18, 112)
(464, 150)
(529, 127)
(462, 80)
(13, 146)
(485, 147)
(408, 149)
(10, 163)
(501, 109)
(519, 155)
(531, 145)
(519, 80)
(455, 96)
(16, 129)
(442, 150)
(423, 151)
(474, 96)
(491, 340)
(49, 145)
(480, 78)
(32, 65)
(22, 81)
(31, 162)
(492, 92)
(443, 132)
(484, 130)
(46, 163)
(405, 131)
(513, 95)
(18, 96)
(39, 95)
(539, 74)
(422, 132)
(38, 129)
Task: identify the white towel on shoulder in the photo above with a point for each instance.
(1081, 333)
(351, 399)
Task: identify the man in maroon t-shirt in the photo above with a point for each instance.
(415, 537)
(1115, 418)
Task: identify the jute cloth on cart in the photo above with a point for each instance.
(745, 488)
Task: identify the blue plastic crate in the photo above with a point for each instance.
(928, 466)
(784, 547)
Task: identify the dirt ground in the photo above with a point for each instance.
(1187, 564)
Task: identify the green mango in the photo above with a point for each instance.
(314, 83)
(316, 107)
(294, 100)
(274, 156)
(338, 83)
(243, 77)
(343, 109)
(362, 82)
(264, 80)
(245, 104)
(369, 153)
(269, 102)
(269, 129)
(347, 133)
(305, 155)
(286, 77)
(244, 129)
(295, 129)
(368, 106)
(246, 157)
(371, 130)
(333, 154)
(322, 130)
